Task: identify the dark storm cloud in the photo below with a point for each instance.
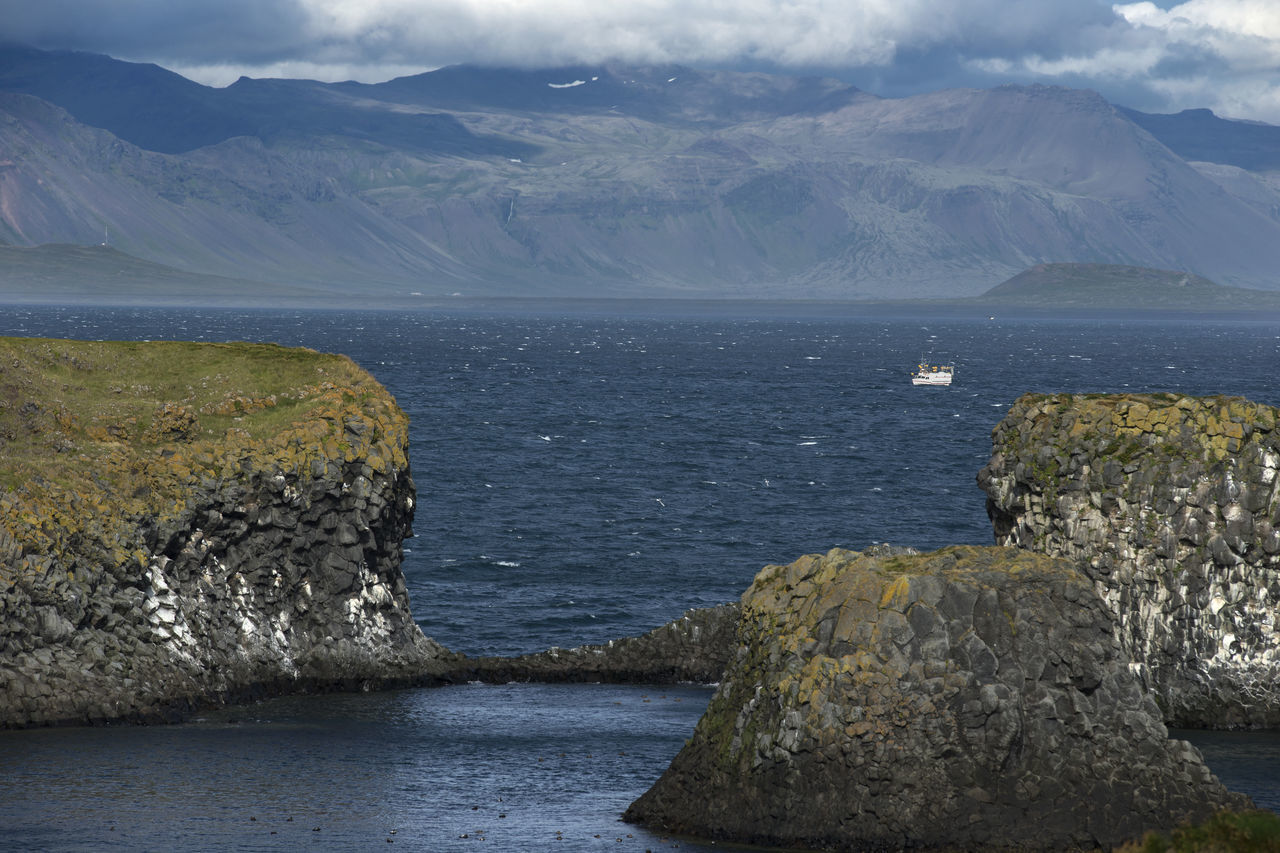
(1216, 53)
(191, 31)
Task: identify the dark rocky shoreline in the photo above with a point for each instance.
(272, 581)
(998, 698)
(695, 648)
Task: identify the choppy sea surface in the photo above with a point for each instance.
(584, 476)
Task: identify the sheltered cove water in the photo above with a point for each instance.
(582, 478)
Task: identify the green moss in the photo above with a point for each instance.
(1123, 448)
(899, 564)
(1225, 832)
(1048, 476)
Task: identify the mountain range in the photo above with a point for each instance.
(621, 181)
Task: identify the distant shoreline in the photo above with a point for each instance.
(102, 276)
(673, 307)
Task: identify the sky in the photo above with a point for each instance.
(1159, 57)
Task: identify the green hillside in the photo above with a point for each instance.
(1116, 286)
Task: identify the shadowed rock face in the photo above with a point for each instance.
(1171, 505)
(972, 698)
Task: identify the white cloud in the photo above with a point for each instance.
(1221, 54)
(1109, 61)
(375, 39)
(1244, 33)
(560, 31)
(1260, 18)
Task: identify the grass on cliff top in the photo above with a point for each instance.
(69, 407)
(966, 558)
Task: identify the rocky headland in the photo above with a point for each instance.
(695, 648)
(972, 698)
(184, 524)
(1171, 505)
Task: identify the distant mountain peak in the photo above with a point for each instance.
(1201, 135)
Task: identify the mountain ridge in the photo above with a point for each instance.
(1198, 134)
(693, 184)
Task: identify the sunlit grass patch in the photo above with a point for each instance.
(101, 441)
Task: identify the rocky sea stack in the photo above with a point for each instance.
(971, 698)
(189, 523)
(1171, 504)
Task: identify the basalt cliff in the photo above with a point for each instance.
(183, 524)
(1171, 504)
(968, 699)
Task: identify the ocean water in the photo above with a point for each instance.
(583, 476)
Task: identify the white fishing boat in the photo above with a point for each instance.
(928, 374)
